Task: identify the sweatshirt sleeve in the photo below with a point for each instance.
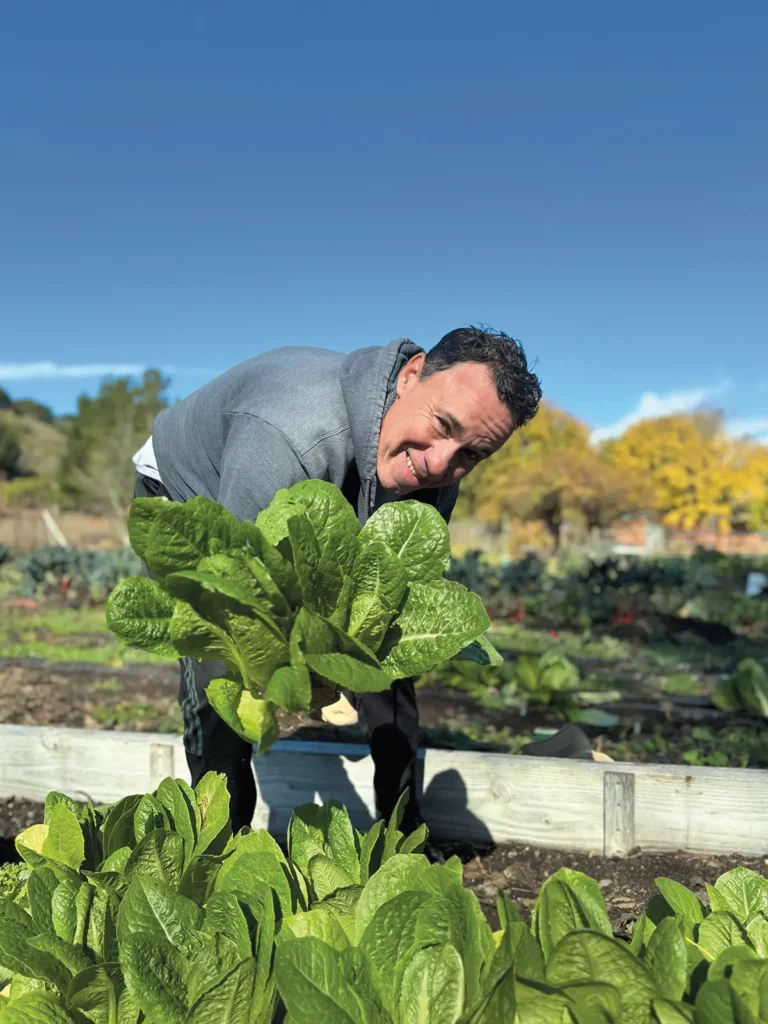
(258, 460)
(446, 501)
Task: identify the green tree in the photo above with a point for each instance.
(10, 450)
(96, 470)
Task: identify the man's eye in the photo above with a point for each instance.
(443, 424)
(471, 455)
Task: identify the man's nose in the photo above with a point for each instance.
(442, 457)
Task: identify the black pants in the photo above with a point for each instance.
(390, 720)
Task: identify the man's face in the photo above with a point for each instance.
(438, 429)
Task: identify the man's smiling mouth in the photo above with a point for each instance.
(411, 466)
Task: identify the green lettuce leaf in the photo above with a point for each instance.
(280, 569)
(251, 718)
(185, 532)
(290, 688)
(333, 519)
(437, 621)
(315, 986)
(272, 521)
(379, 581)
(591, 956)
(568, 900)
(667, 959)
(155, 975)
(416, 533)
(740, 892)
(432, 988)
(139, 612)
(194, 637)
(141, 516)
(481, 651)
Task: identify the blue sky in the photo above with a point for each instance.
(187, 184)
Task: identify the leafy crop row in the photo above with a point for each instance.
(299, 603)
(77, 574)
(151, 910)
(550, 681)
(708, 586)
(553, 681)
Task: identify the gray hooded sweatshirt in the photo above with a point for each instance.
(287, 415)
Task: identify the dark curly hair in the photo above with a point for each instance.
(517, 387)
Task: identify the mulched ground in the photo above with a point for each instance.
(518, 871)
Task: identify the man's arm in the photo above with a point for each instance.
(258, 460)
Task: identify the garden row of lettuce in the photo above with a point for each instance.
(708, 585)
(152, 910)
(553, 681)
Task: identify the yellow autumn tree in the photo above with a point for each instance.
(751, 491)
(546, 471)
(699, 474)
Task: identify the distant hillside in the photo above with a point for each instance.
(42, 444)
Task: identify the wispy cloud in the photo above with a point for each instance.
(58, 371)
(652, 405)
(756, 427)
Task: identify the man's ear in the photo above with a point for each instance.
(410, 372)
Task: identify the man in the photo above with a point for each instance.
(381, 423)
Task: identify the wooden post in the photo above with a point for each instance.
(53, 529)
(618, 814)
(160, 763)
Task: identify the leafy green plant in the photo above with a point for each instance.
(150, 910)
(746, 690)
(551, 681)
(12, 880)
(74, 573)
(302, 597)
(151, 906)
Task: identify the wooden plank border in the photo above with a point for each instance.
(611, 809)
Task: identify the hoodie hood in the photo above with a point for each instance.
(368, 380)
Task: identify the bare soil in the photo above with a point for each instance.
(89, 696)
(627, 884)
(143, 698)
(15, 816)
